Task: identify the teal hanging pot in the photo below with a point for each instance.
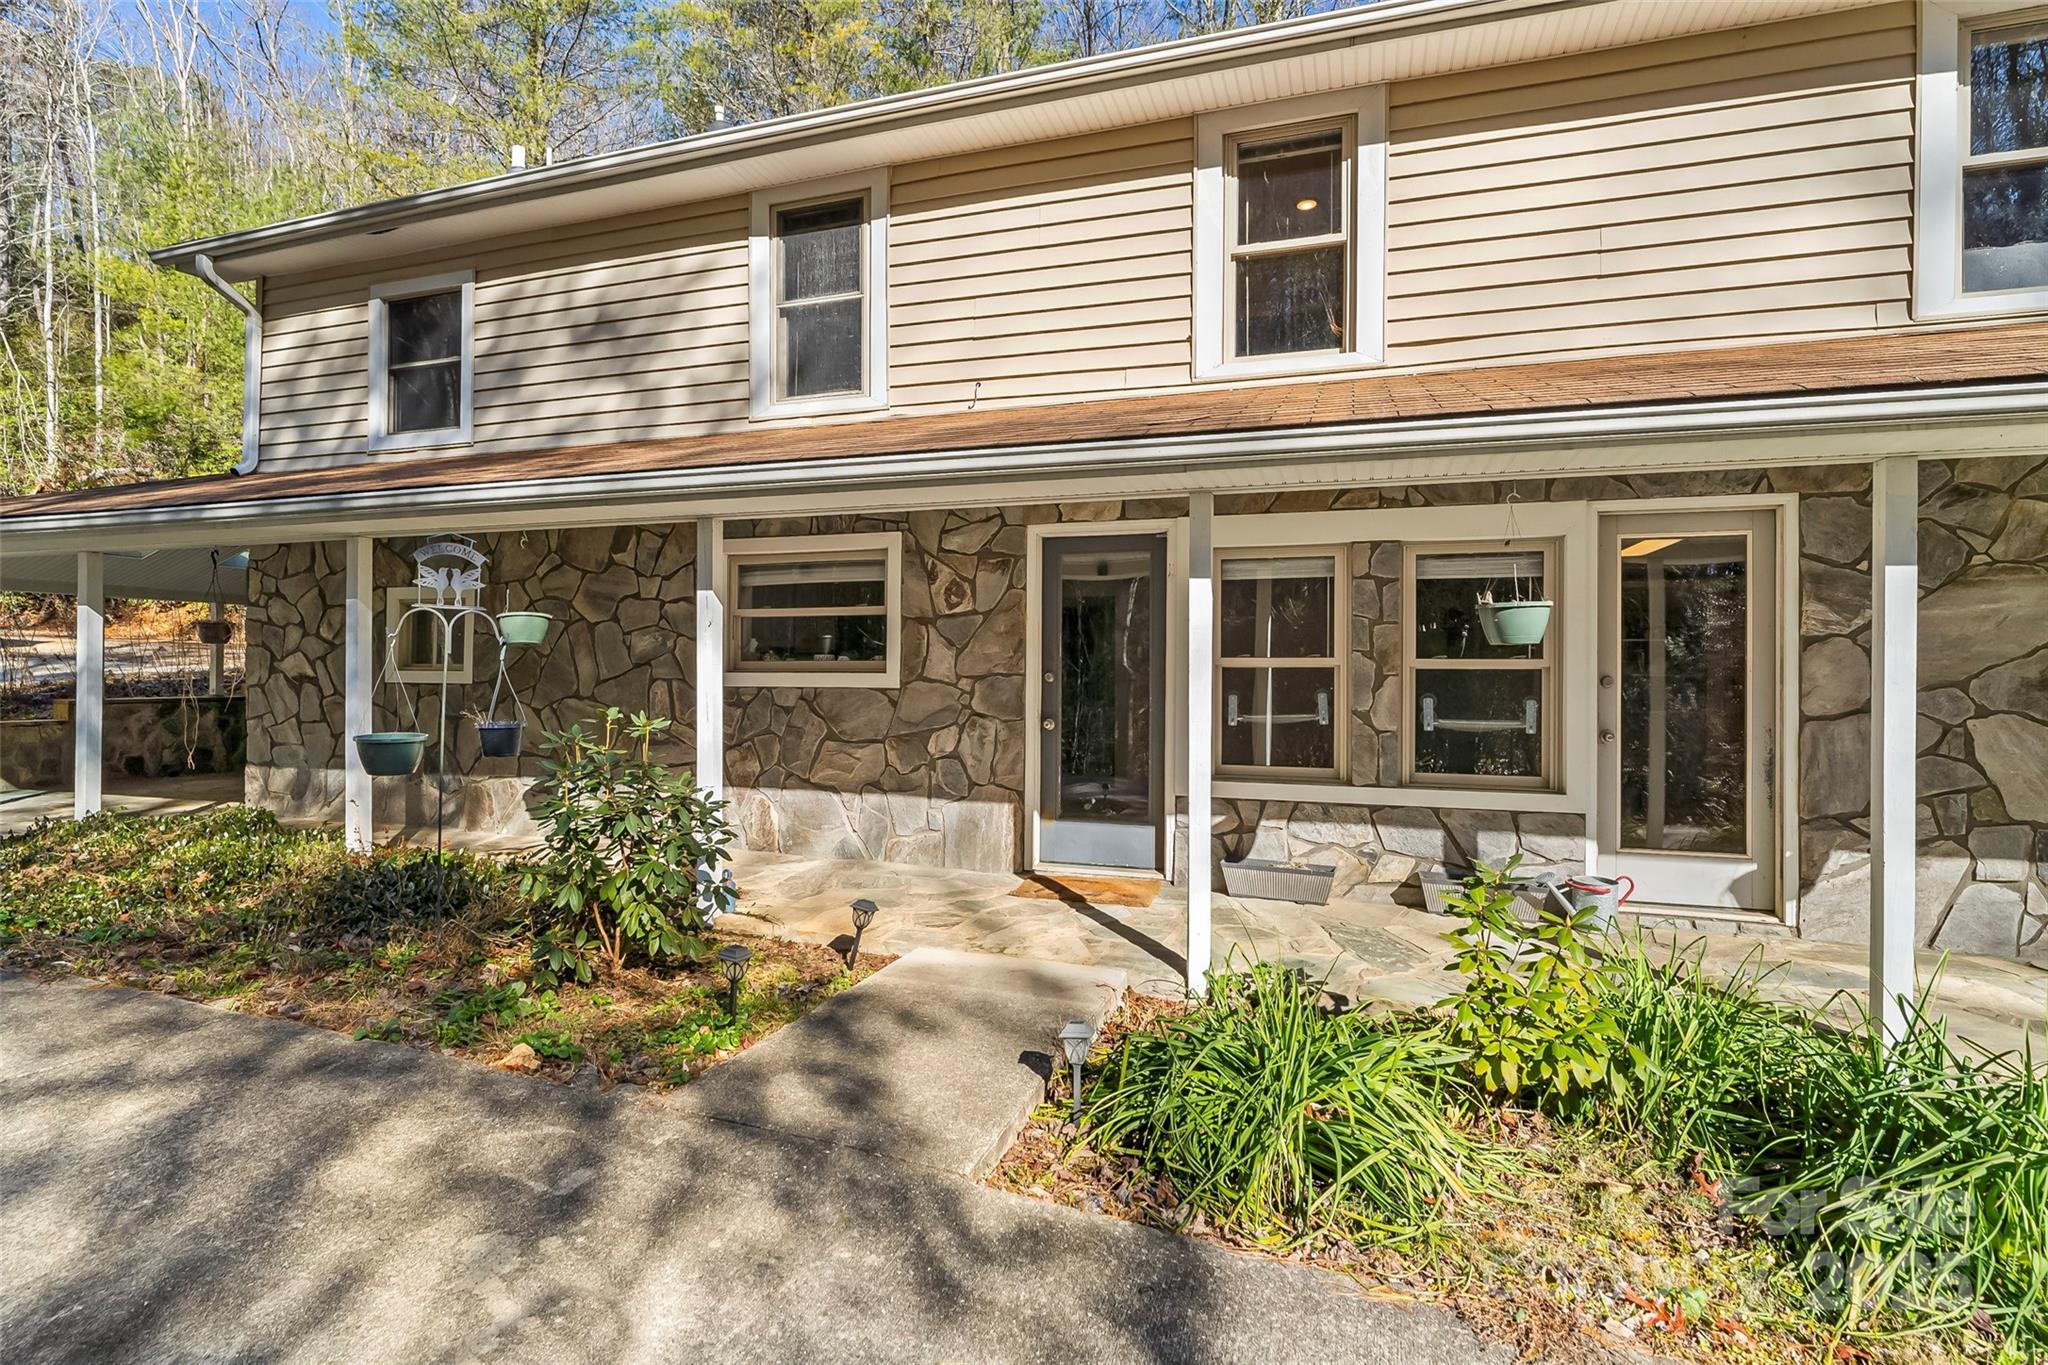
(391, 753)
(1514, 623)
(523, 627)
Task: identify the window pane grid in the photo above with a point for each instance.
(1475, 718)
(1281, 705)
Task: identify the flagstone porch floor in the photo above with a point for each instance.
(1366, 951)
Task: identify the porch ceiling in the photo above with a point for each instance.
(1370, 416)
(183, 575)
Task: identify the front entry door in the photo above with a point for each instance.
(1688, 705)
(1102, 701)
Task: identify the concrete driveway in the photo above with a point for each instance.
(178, 1183)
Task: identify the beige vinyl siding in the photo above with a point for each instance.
(1734, 186)
(1747, 185)
(632, 329)
(1040, 272)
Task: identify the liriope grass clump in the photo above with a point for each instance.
(1277, 1116)
(1907, 1179)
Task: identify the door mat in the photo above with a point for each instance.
(1136, 892)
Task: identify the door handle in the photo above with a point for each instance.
(1046, 724)
(1607, 736)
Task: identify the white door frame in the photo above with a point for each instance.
(1175, 662)
(1781, 770)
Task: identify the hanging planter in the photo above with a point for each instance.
(523, 627)
(1514, 623)
(500, 738)
(218, 630)
(391, 753)
(1518, 622)
(215, 632)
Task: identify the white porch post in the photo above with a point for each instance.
(88, 707)
(710, 698)
(359, 671)
(216, 655)
(1894, 676)
(1200, 762)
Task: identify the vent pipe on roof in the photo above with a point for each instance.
(719, 122)
(252, 362)
(518, 157)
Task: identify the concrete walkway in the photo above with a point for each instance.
(1365, 950)
(180, 1183)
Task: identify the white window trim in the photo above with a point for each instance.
(1367, 107)
(740, 550)
(381, 438)
(1943, 125)
(761, 312)
(1339, 664)
(396, 602)
(1546, 665)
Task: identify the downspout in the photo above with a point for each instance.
(252, 361)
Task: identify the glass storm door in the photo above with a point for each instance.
(1688, 700)
(1102, 701)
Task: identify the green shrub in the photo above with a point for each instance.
(1533, 1013)
(1911, 1177)
(624, 837)
(380, 892)
(1277, 1116)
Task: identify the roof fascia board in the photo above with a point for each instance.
(1992, 419)
(1188, 56)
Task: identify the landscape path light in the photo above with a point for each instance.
(1077, 1037)
(864, 912)
(732, 965)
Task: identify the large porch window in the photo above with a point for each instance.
(1280, 651)
(1478, 709)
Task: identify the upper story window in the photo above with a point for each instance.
(1290, 211)
(2005, 164)
(420, 373)
(1982, 195)
(1290, 250)
(818, 256)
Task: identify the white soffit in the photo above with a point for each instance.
(178, 575)
(1331, 56)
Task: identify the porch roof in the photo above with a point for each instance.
(1921, 360)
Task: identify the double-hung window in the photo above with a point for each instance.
(1982, 196)
(1280, 650)
(420, 372)
(2005, 160)
(422, 643)
(1290, 209)
(818, 301)
(1479, 708)
(814, 611)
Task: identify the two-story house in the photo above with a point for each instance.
(1608, 432)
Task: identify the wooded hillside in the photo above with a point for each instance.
(129, 124)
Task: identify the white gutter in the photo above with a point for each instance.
(252, 363)
(1219, 461)
(1362, 23)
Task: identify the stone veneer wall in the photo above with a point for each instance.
(930, 772)
(622, 602)
(1983, 725)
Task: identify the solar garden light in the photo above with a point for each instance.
(864, 912)
(1077, 1037)
(732, 965)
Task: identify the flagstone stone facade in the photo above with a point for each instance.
(932, 771)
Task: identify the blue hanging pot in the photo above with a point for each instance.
(1515, 623)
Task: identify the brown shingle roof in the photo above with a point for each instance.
(1847, 364)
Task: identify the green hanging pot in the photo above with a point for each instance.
(391, 753)
(523, 627)
(1515, 623)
